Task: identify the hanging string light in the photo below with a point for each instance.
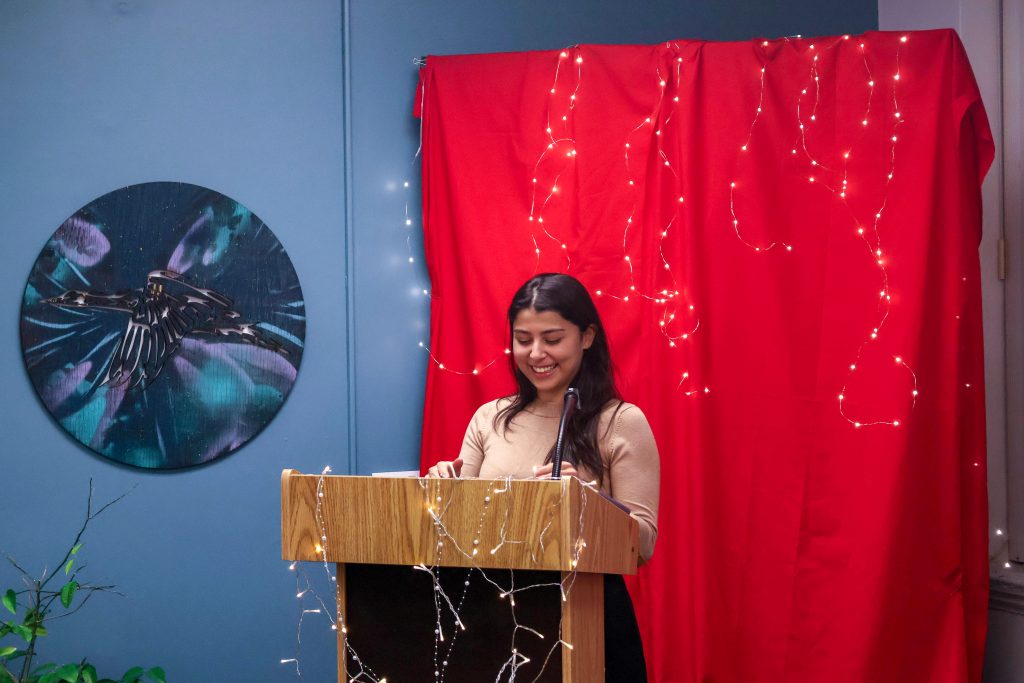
(835, 179)
(560, 151)
(558, 155)
(744, 148)
(560, 147)
(652, 129)
(873, 243)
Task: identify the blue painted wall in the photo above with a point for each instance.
(301, 112)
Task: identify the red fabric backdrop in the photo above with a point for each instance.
(794, 544)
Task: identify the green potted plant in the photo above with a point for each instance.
(53, 596)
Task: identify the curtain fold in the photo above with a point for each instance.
(781, 237)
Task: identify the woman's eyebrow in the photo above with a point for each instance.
(549, 331)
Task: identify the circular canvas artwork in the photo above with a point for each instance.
(163, 325)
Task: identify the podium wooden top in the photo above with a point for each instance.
(514, 524)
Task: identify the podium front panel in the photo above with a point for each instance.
(392, 614)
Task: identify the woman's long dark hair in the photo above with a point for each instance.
(567, 297)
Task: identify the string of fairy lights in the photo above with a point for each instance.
(443, 604)
(678, 321)
(820, 174)
(561, 146)
(559, 151)
(668, 298)
(870, 238)
(306, 593)
(357, 670)
(744, 148)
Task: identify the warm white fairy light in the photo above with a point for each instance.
(473, 372)
(308, 592)
(437, 508)
(803, 126)
(560, 144)
(656, 122)
(836, 181)
(763, 247)
(872, 241)
(560, 150)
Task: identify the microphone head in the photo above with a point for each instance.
(572, 393)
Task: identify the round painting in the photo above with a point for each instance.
(163, 325)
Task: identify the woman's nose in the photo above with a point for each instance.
(536, 351)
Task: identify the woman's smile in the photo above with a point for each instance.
(548, 350)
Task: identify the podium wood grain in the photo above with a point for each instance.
(583, 628)
(377, 520)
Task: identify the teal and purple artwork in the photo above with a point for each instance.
(163, 325)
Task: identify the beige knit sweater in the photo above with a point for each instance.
(627, 446)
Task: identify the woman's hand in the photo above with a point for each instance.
(446, 469)
(544, 471)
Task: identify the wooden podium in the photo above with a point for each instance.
(546, 525)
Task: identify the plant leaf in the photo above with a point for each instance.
(74, 551)
(5, 675)
(157, 674)
(67, 567)
(67, 673)
(88, 674)
(10, 601)
(132, 675)
(9, 650)
(67, 593)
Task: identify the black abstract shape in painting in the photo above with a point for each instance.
(160, 318)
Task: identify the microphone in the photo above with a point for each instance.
(571, 402)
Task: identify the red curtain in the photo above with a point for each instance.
(782, 239)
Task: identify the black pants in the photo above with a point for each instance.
(623, 649)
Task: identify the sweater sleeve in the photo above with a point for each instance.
(635, 473)
(472, 452)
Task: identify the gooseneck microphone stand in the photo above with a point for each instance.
(569, 405)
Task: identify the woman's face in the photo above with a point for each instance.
(548, 350)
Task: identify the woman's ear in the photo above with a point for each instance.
(588, 336)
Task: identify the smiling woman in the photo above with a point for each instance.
(557, 342)
(548, 350)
